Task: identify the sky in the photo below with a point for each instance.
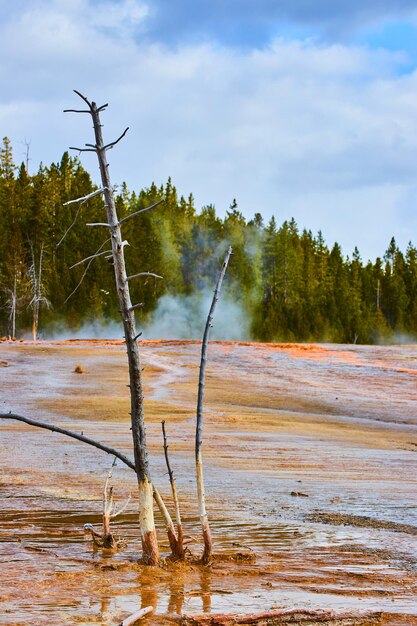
(296, 108)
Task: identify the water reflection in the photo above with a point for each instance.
(205, 585)
(177, 593)
(148, 595)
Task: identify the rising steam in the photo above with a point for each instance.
(176, 317)
(184, 317)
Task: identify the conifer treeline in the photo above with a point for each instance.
(290, 284)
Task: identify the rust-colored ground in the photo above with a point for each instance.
(310, 455)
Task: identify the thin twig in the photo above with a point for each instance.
(82, 149)
(144, 274)
(84, 273)
(123, 508)
(83, 98)
(75, 111)
(69, 227)
(93, 256)
(128, 217)
(170, 472)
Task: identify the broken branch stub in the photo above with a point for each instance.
(199, 425)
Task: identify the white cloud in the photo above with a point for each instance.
(325, 133)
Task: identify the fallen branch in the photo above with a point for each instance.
(135, 617)
(276, 617)
(199, 426)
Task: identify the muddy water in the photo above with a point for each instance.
(311, 468)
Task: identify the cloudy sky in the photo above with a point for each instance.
(303, 108)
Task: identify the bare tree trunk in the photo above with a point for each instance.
(146, 517)
(180, 537)
(35, 319)
(14, 304)
(172, 537)
(199, 428)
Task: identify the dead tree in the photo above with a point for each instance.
(11, 306)
(199, 427)
(37, 290)
(150, 553)
(119, 455)
(106, 539)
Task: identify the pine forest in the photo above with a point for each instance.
(289, 283)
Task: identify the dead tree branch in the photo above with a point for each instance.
(95, 444)
(128, 217)
(70, 433)
(90, 258)
(111, 145)
(69, 227)
(82, 149)
(76, 111)
(84, 199)
(84, 273)
(199, 426)
(144, 274)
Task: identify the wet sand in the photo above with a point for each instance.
(310, 455)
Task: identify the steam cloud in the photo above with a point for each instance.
(184, 317)
(176, 317)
